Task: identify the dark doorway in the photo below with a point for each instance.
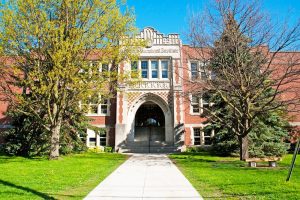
(149, 125)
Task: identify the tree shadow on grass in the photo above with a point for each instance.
(40, 194)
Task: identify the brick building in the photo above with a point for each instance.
(158, 114)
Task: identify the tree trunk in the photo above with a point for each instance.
(243, 143)
(55, 132)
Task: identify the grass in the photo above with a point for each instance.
(228, 178)
(70, 177)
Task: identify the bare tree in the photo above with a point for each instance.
(250, 64)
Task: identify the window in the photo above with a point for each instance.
(104, 67)
(197, 136)
(164, 69)
(104, 106)
(134, 68)
(203, 74)
(205, 103)
(96, 105)
(202, 136)
(92, 141)
(195, 104)
(200, 105)
(194, 70)
(144, 65)
(207, 136)
(93, 104)
(102, 136)
(154, 69)
(198, 70)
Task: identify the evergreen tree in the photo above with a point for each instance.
(244, 92)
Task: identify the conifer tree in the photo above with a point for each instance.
(241, 48)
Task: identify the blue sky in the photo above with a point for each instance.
(170, 16)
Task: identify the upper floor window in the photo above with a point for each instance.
(200, 105)
(164, 69)
(154, 69)
(134, 66)
(144, 66)
(134, 69)
(198, 71)
(94, 69)
(195, 103)
(96, 105)
(194, 70)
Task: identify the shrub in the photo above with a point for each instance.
(26, 137)
(108, 149)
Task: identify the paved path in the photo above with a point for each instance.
(145, 176)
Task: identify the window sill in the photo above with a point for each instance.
(194, 114)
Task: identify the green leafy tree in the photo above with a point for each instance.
(50, 42)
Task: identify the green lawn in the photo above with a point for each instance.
(228, 178)
(70, 177)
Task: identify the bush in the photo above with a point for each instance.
(224, 143)
(29, 137)
(266, 138)
(26, 137)
(108, 149)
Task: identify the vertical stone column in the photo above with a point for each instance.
(149, 69)
(120, 124)
(159, 69)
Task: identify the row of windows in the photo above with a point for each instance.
(200, 137)
(152, 69)
(155, 69)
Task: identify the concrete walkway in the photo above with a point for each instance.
(145, 176)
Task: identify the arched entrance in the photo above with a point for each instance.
(149, 125)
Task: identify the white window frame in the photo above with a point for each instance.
(93, 134)
(191, 105)
(157, 69)
(99, 108)
(134, 70)
(200, 103)
(200, 69)
(193, 136)
(106, 136)
(202, 136)
(149, 69)
(161, 69)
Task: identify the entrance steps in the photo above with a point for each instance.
(147, 149)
